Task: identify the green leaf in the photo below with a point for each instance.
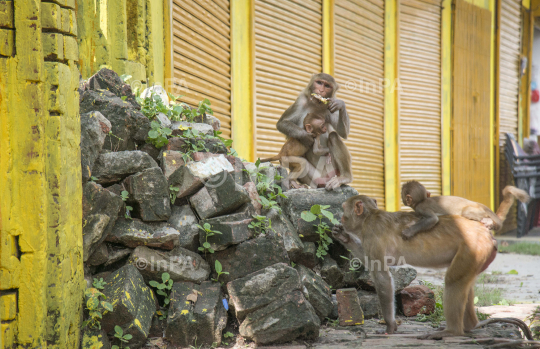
(155, 124)
(154, 283)
(308, 216)
(206, 244)
(161, 286)
(218, 266)
(161, 293)
(165, 277)
(107, 306)
(512, 272)
(118, 330)
(167, 131)
(124, 98)
(201, 249)
(166, 301)
(316, 209)
(328, 215)
(207, 226)
(128, 336)
(210, 250)
(153, 134)
(475, 300)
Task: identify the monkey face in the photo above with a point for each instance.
(323, 88)
(356, 207)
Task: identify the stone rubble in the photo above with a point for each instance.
(270, 287)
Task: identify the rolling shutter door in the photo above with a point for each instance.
(201, 41)
(288, 50)
(359, 68)
(509, 61)
(419, 93)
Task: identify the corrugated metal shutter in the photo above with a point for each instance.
(419, 94)
(471, 91)
(288, 50)
(509, 65)
(201, 40)
(359, 68)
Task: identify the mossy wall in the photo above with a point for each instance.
(123, 35)
(41, 270)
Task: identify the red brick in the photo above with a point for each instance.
(349, 310)
(414, 298)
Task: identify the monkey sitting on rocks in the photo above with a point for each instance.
(419, 199)
(315, 126)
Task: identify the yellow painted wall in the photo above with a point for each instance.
(126, 36)
(41, 273)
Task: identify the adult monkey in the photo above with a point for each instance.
(291, 124)
(466, 247)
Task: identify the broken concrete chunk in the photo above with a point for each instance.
(171, 160)
(220, 195)
(184, 220)
(302, 199)
(133, 304)
(149, 194)
(181, 264)
(403, 276)
(316, 291)
(258, 289)
(196, 314)
(100, 255)
(308, 256)
(94, 128)
(233, 228)
(250, 256)
(106, 79)
(240, 174)
(178, 128)
(100, 211)
(113, 167)
(129, 125)
(134, 232)
(349, 309)
(332, 273)
(284, 228)
(283, 320)
(369, 302)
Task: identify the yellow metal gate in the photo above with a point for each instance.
(288, 50)
(471, 90)
(419, 92)
(359, 68)
(201, 43)
(508, 97)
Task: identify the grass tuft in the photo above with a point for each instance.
(521, 248)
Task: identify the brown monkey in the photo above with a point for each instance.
(291, 123)
(419, 199)
(464, 246)
(315, 125)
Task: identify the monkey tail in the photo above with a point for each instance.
(510, 193)
(273, 158)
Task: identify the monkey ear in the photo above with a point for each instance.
(408, 200)
(375, 201)
(428, 194)
(359, 208)
(309, 128)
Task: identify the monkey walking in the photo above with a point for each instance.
(319, 97)
(419, 199)
(315, 125)
(464, 246)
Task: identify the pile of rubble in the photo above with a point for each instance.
(149, 211)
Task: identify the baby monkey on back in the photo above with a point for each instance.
(419, 199)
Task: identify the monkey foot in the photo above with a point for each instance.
(488, 222)
(336, 182)
(438, 335)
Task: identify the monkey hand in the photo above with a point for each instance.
(335, 104)
(328, 159)
(306, 139)
(338, 232)
(488, 222)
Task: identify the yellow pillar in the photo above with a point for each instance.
(446, 68)
(242, 78)
(328, 37)
(391, 174)
(41, 270)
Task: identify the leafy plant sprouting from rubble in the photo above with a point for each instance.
(260, 224)
(163, 289)
(96, 304)
(267, 188)
(219, 271)
(207, 229)
(125, 195)
(323, 229)
(123, 338)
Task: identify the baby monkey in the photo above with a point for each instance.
(315, 124)
(419, 199)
